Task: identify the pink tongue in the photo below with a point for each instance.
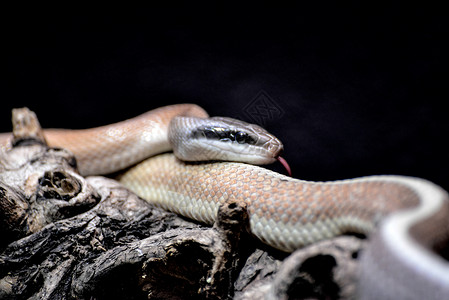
(285, 164)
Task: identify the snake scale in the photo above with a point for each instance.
(410, 215)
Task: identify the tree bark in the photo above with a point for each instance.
(68, 237)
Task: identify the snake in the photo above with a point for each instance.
(182, 160)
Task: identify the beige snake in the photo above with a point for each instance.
(286, 213)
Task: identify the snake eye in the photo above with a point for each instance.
(244, 138)
(241, 137)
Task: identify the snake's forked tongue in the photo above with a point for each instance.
(285, 164)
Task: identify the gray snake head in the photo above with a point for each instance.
(219, 138)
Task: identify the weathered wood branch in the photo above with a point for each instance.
(68, 237)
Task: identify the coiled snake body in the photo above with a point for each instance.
(286, 213)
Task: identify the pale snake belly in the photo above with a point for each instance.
(411, 214)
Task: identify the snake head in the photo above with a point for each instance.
(221, 138)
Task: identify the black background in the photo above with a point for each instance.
(358, 90)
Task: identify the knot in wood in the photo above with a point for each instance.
(58, 185)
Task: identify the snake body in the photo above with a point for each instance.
(411, 214)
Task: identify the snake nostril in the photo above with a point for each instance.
(274, 147)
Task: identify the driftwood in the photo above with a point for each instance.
(68, 237)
